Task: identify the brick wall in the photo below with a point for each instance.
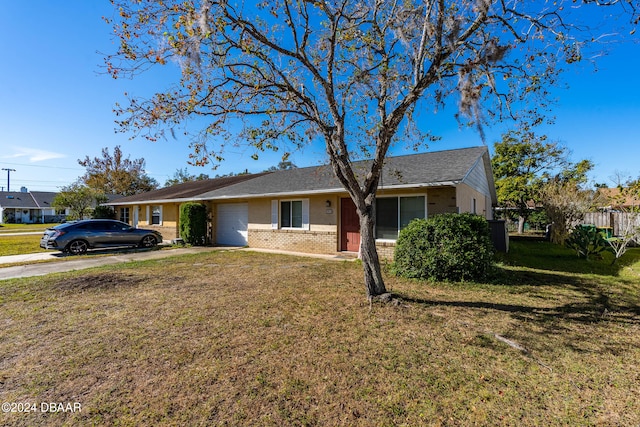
(168, 233)
(315, 242)
(318, 242)
(386, 250)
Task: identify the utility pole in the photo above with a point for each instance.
(8, 178)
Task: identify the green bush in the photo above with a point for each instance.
(193, 223)
(587, 241)
(103, 212)
(454, 247)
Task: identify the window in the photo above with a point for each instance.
(290, 214)
(395, 213)
(387, 218)
(156, 215)
(124, 215)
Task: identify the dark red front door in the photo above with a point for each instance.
(349, 226)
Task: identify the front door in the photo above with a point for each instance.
(349, 226)
(26, 217)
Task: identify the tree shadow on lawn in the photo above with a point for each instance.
(561, 325)
(543, 255)
(592, 303)
(596, 309)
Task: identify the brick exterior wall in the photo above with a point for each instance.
(315, 242)
(386, 250)
(168, 233)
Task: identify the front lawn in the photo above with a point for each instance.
(11, 244)
(243, 338)
(23, 228)
(20, 244)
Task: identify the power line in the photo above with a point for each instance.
(41, 166)
(41, 180)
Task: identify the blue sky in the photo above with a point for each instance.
(56, 105)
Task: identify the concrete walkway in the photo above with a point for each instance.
(61, 262)
(72, 263)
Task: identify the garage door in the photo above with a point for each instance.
(232, 223)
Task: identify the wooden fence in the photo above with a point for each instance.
(618, 221)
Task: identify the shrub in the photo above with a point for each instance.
(587, 241)
(103, 212)
(193, 223)
(453, 247)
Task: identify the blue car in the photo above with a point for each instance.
(77, 237)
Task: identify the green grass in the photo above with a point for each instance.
(20, 228)
(242, 338)
(21, 244)
(543, 255)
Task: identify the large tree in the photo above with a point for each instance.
(566, 203)
(182, 175)
(353, 73)
(116, 174)
(523, 162)
(79, 199)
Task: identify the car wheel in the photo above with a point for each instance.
(77, 247)
(148, 242)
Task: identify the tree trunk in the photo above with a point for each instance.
(521, 221)
(370, 262)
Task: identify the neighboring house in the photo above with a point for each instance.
(613, 199)
(308, 210)
(617, 213)
(28, 207)
(33, 207)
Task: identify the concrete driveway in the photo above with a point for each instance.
(62, 262)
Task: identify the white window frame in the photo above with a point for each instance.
(122, 215)
(398, 197)
(276, 214)
(150, 215)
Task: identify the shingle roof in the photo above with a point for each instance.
(33, 199)
(15, 199)
(187, 190)
(43, 198)
(426, 169)
(614, 197)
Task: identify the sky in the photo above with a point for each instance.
(56, 105)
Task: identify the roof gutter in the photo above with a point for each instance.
(283, 194)
(147, 202)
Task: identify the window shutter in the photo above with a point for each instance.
(305, 214)
(274, 214)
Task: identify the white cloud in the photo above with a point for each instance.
(33, 154)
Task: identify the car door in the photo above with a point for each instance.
(101, 233)
(121, 234)
(85, 231)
